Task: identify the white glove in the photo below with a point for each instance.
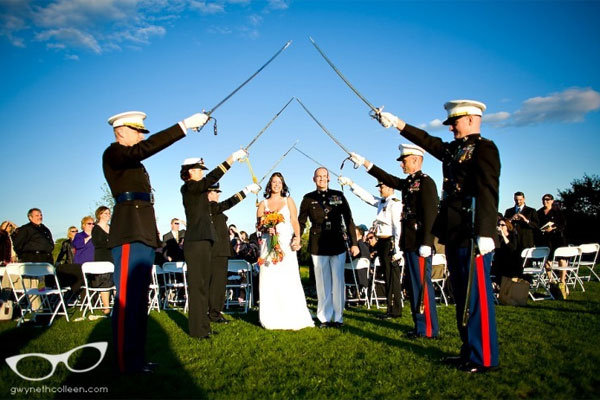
(485, 244)
(387, 119)
(239, 155)
(397, 256)
(196, 121)
(357, 159)
(253, 187)
(425, 251)
(345, 181)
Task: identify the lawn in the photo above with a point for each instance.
(548, 350)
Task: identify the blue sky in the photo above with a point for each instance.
(67, 65)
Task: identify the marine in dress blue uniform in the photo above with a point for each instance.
(471, 168)
(133, 234)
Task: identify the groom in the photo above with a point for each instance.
(331, 225)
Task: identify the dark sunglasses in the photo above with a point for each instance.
(175, 223)
(547, 199)
(501, 224)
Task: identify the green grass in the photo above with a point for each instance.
(548, 350)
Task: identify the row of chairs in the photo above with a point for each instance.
(37, 290)
(368, 295)
(572, 257)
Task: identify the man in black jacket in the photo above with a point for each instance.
(525, 221)
(33, 241)
(172, 242)
(133, 233)
(471, 167)
(331, 225)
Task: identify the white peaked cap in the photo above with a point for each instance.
(132, 119)
(458, 108)
(410, 150)
(197, 161)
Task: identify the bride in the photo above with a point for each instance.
(282, 301)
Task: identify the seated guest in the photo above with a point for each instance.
(68, 273)
(507, 260)
(66, 254)
(82, 242)
(7, 251)
(102, 253)
(552, 235)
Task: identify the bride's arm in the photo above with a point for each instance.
(294, 221)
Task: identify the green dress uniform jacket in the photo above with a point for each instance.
(134, 220)
(326, 210)
(420, 201)
(195, 201)
(471, 167)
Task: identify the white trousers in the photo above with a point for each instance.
(331, 294)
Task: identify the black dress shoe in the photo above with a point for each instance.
(456, 361)
(337, 324)
(473, 368)
(151, 365)
(221, 321)
(384, 316)
(325, 325)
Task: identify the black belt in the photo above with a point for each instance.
(37, 252)
(129, 196)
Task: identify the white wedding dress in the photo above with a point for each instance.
(282, 300)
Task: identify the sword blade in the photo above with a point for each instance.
(278, 161)
(249, 79)
(315, 161)
(323, 128)
(337, 71)
(268, 125)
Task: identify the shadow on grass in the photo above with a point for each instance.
(179, 319)
(169, 374)
(15, 339)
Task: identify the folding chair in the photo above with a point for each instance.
(376, 281)
(571, 256)
(353, 267)
(439, 281)
(534, 261)
(176, 287)
(590, 252)
(51, 298)
(238, 270)
(154, 292)
(92, 299)
(13, 270)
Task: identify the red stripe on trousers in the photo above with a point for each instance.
(425, 298)
(485, 322)
(122, 304)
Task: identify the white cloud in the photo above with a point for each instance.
(496, 117)
(255, 20)
(69, 36)
(432, 125)
(207, 7)
(278, 4)
(73, 57)
(570, 105)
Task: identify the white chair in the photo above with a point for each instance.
(376, 281)
(590, 252)
(13, 270)
(534, 262)
(239, 269)
(440, 283)
(361, 293)
(176, 287)
(571, 256)
(51, 298)
(154, 292)
(92, 299)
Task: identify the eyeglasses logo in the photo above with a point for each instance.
(54, 359)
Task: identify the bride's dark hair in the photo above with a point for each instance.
(284, 189)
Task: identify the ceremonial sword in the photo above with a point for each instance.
(258, 135)
(474, 259)
(375, 110)
(315, 161)
(209, 113)
(278, 161)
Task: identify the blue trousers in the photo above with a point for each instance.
(426, 323)
(479, 337)
(133, 273)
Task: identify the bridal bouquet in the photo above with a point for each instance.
(270, 219)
